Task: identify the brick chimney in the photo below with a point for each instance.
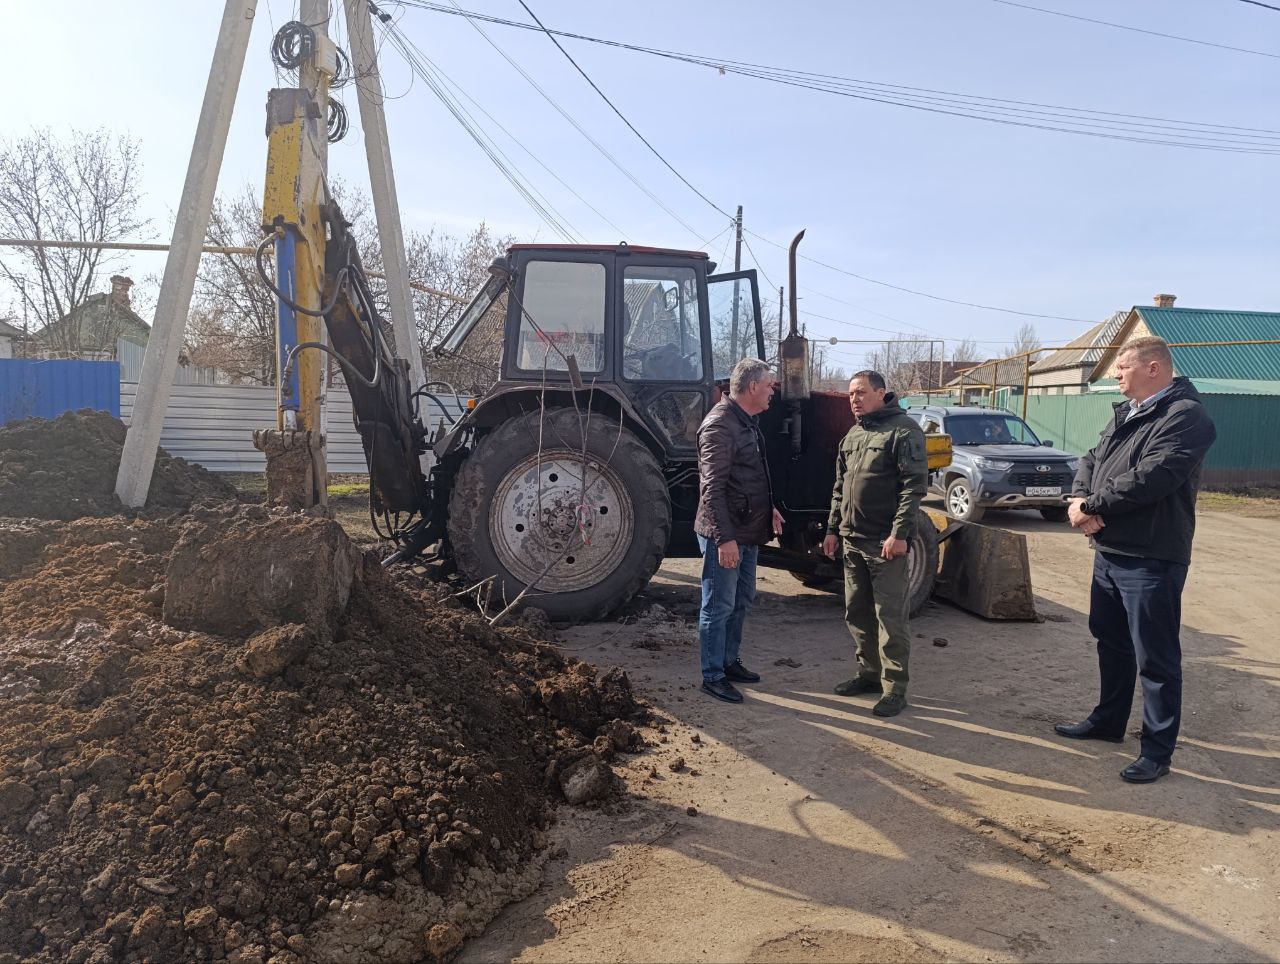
(1162, 301)
(120, 286)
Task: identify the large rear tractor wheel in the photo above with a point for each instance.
(922, 564)
(586, 538)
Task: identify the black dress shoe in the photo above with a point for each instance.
(740, 674)
(722, 689)
(1087, 731)
(1144, 770)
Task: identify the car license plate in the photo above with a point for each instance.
(1035, 490)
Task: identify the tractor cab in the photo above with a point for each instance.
(653, 328)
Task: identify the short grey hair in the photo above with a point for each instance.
(745, 374)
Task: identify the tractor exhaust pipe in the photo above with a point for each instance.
(793, 353)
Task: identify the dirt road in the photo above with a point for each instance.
(963, 829)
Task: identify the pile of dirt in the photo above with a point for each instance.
(65, 468)
(368, 782)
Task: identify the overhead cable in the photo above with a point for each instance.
(426, 71)
(1153, 33)
(569, 117)
(924, 294)
(1111, 125)
(613, 107)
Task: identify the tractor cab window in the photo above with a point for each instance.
(735, 320)
(562, 314)
(661, 337)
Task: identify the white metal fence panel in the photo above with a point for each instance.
(130, 355)
(212, 425)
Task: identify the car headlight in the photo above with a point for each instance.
(1073, 464)
(995, 465)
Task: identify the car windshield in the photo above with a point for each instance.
(990, 429)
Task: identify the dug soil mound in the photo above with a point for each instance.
(65, 468)
(368, 782)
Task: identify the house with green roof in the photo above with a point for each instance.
(1066, 371)
(1213, 369)
(1239, 385)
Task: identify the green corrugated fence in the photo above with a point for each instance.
(1246, 451)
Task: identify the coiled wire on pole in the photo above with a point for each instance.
(293, 45)
(337, 122)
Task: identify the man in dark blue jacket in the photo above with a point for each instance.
(1135, 497)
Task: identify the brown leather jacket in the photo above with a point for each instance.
(735, 497)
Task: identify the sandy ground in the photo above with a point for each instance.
(961, 830)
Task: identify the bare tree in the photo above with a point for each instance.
(1026, 340)
(904, 363)
(233, 316)
(233, 319)
(965, 353)
(824, 376)
(83, 188)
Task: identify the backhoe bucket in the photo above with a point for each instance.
(984, 570)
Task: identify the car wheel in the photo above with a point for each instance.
(961, 503)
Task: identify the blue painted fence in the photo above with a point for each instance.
(45, 389)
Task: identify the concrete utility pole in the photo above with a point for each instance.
(386, 205)
(137, 462)
(737, 266)
(782, 307)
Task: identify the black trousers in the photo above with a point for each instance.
(1135, 611)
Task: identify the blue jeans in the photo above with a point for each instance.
(1135, 612)
(727, 594)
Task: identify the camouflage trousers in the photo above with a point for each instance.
(875, 610)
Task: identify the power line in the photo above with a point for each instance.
(471, 19)
(756, 262)
(1110, 125)
(552, 35)
(614, 108)
(561, 181)
(423, 68)
(1259, 3)
(923, 294)
(1152, 33)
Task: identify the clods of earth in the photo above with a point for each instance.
(227, 734)
(65, 468)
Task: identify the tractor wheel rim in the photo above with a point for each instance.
(555, 533)
(959, 500)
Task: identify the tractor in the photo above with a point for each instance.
(575, 472)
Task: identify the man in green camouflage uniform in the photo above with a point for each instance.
(881, 476)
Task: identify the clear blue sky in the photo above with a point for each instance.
(1044, 222)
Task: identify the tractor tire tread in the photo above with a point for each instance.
(469, 505)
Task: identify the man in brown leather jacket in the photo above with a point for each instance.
(736, 516)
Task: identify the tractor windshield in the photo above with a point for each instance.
(662, 339)
(562, 315)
